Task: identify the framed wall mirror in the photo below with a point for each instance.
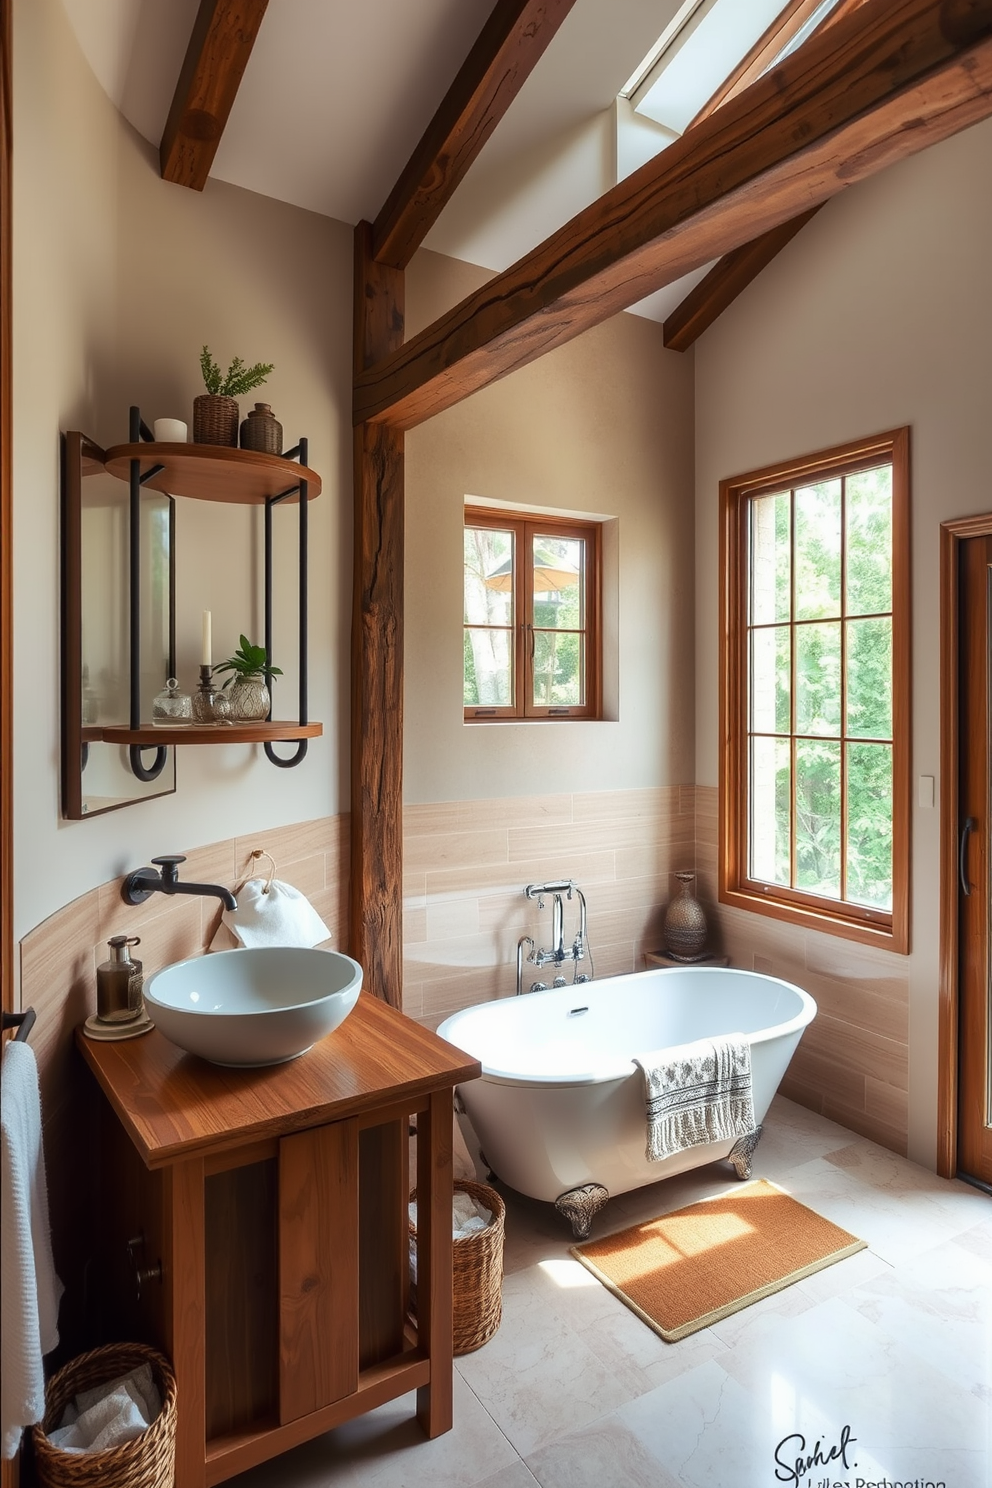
(108, 651)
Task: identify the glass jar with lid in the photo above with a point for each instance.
(172, 708)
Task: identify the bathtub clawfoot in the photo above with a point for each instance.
(742, 1152)
(581, 1205)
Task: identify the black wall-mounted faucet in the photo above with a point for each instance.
(145, 882)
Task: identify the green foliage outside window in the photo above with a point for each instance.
(808, 640)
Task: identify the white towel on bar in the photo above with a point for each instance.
(31, 1289)
(271, 914)
(696, 1093)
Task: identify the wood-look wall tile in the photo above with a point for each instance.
(414, 926)
(866, 1126)
(452, 918)
(413, 999)
(847, 1047)
(564, 843)
(879, 1005)
(818, 1071)
(886, 1104)
(512, 878)
(305, 874)
(614, 959)
(512, 913)
(460, 851)
(414, 889)
(476, 815)
(658, 859)
(795, 1088)
(287, 844)
(641, 924)
(610, 806)
(215, 864)
(449, 995)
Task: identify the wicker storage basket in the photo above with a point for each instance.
(215, 419)
(147, 1462)
(477, 1272)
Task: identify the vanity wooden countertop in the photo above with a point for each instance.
(175, 1105)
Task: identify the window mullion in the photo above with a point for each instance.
(793, 679)
(843, 690)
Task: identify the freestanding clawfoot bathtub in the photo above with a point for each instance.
(559, 1110)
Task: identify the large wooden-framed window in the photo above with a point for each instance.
(815, 684)
(532, 632)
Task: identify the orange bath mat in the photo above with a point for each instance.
(685, 1270)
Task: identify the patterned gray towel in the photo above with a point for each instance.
(696, 1093)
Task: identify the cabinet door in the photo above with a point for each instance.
(318, 1268)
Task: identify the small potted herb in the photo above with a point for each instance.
(250, 700)
(215, 412)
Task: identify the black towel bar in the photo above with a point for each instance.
(23, 1022)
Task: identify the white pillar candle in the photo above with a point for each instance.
(205, 648)
(170, 431)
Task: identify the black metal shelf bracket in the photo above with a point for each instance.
(301, 451)
(139, 431)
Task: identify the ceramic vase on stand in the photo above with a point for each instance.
(685, 923)
(262, 431)
(249, 699)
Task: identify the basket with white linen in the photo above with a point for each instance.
(148, 1461)
(477, 1271)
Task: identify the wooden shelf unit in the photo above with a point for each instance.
(274, 1202)
(148, 736)
(213, 472)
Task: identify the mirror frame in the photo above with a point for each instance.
(79, 455)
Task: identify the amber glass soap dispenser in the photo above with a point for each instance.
(119, 982)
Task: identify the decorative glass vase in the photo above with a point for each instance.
(685, 923)
(249, 698)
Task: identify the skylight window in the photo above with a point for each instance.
(704, 44)
(705, 52)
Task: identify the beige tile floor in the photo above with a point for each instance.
(894, 1343)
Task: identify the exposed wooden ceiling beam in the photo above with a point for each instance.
(710, 297)
(877, 87)
(508, 47)
(220, 44)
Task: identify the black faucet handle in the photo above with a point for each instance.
(167, 858)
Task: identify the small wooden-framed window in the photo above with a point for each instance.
(531, 617)
(815, 684)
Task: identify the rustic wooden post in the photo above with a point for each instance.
(377, 649)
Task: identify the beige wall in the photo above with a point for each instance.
(119, 280)
(878, 314)
(604, 426)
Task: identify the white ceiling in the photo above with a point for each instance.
(336, 94)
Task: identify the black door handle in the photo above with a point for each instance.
(971, 825)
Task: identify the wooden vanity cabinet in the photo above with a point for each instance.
(266, 1211)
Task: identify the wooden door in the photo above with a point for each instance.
(974, 794)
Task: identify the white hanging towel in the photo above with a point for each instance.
(271, 913)
(31, 1289)
(696, 1093)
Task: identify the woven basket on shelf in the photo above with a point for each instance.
(477, 1272)
(146, 1462)
(215, 419)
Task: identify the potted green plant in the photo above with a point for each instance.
(215, 412)
(250, 670)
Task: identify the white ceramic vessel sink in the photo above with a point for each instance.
(253, 1007)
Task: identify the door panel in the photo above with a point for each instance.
(974, 1099)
